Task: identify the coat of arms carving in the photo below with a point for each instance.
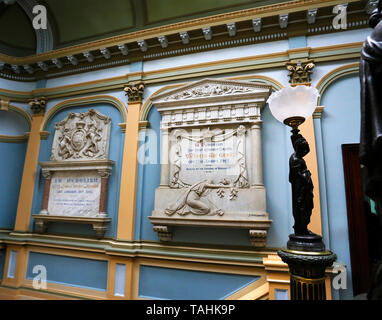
(82, 136)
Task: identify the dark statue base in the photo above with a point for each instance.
(307, 259)
(310, 242)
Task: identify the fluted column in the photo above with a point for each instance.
(164, 173)
(45, 200)
(256, 156)
(104, 174)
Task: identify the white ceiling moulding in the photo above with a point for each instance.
(73, 60)
(15, 68)
(257, 24)
(28, 68)
(184, 37)
(43, 66)
(207, 32)
(283, 20)
(311, 15)
(88, 56)
(163, 41)
(123, 48)
(58, 63)
(231, 28)
(106, 53)
(142, 44)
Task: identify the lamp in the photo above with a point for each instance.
(293, 105)
(305, 255)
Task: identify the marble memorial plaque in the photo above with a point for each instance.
(75, 194)
(217, 156)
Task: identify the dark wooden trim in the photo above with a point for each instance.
(358, 239)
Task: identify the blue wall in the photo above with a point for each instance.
(340, 124)
(12, 157)
(115, 154)
(78, 272)
(12, 124)
(169, 283)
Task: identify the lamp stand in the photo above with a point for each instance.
(305, 255)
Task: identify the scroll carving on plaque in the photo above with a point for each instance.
(76, 176)
(211, 170)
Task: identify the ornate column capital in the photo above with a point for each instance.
(300, 71)
(4, 104)
(38, 105)
(135, 91)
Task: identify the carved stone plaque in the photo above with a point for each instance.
(216, 155)
(211, 166)
(76, 176)
(75, 194)
(82, 136)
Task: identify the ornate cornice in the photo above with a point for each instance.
(206, 69)
(57, 63)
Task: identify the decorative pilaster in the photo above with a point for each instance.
(30, 166)
(105, 174)
(165, 166)
(257, 171)
(127, 201)
(45, 200)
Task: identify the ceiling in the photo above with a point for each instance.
(94, 34)
(79, 21)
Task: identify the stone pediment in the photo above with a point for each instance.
(208, 91)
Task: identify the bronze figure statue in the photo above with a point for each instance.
(302, 186)
(371, 127)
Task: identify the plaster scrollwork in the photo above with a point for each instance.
(191, 201)
(82, 136)
(209, 90)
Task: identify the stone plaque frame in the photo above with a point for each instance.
(218, 123)
(80, 149)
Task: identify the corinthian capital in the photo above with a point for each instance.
(299, 72)
(135, 92)
(38, 105)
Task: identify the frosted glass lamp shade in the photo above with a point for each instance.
(293, 103)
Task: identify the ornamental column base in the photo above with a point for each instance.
(307, 261)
